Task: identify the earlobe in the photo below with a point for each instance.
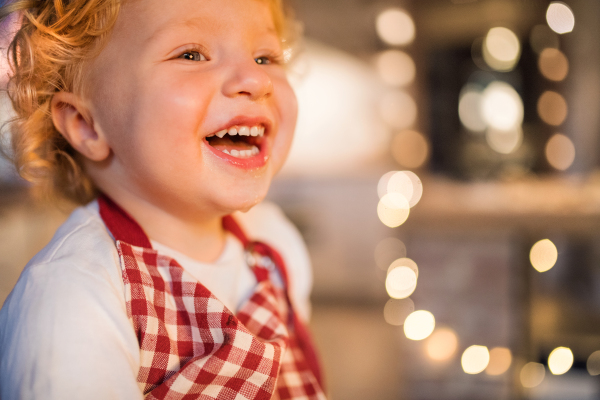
(71, 120)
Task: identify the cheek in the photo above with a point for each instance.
(168, 116)
(175, 105)
(287, 105)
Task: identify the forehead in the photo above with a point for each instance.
(153, 17)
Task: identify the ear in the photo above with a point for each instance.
(72, 120)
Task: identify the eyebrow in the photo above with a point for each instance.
(191, 23)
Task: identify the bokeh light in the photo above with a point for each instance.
(401, 282)
(502, 106)
(552, 108)
(398, 109)
(388, 250)
(532, 374)
(442, 344)
(419, 325)
(542, 37)
(332, 85)
(395, 67)
(393, 210)
(553, 64)
(475, 359)
(500, 360)
(469, 108)
(410, 149)
(504, 142)
(396, 311)
(543, 255)
(593, 363)
(560, 360)
(405, 262)
(560, 17)
(560, 152)
(382, 185)
(406, 183)
(395, 26)
(401, 183)
(501, 49)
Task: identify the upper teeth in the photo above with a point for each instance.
(242, 131)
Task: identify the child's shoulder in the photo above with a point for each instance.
(78, 264)
(81, 246)
(69, 296)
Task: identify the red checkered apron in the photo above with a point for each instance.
(191, 345)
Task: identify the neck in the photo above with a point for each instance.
(201, 238)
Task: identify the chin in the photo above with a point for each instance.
(243, 200)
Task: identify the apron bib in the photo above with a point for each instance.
(191, 345)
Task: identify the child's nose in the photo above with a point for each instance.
(248, 79)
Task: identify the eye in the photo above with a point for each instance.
(262, 60)
(192, 55)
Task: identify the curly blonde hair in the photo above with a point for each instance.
(47, 55)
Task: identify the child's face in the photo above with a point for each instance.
(172, 77)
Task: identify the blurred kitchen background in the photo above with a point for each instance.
(446, 178)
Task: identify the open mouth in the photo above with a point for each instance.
(238, 141)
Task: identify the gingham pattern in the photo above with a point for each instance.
(193, 347)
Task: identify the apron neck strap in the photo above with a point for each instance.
(231, 225)
(124, 228)
(120, 224)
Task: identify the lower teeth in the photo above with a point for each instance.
(243, 153)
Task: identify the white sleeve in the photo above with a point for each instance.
(266, 222)
(64, 334)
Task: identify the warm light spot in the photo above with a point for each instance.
(532, 374)
(469, 108)
(504, 142)
(395, 26)
(393, 210)
(543, 37)
(396, 68)
(401, 183)
(398, 109)
(388, 250)
(382, 185)
(417, 187)
(396, 311)
(560, 152)
(560, 360)
(419, 325)
(500, 360)
(401, 282)
(552, 108)
(404, 262)
(543, 255)
(560, 17)
(553, 64)
(502, 107)
(442, 344)
(410, 149)
(593, 363)
(406, 183)
(336, 92)
(475, 359)
(501, 49)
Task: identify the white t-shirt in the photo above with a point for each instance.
(64, 331)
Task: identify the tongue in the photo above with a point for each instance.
(228, 144)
